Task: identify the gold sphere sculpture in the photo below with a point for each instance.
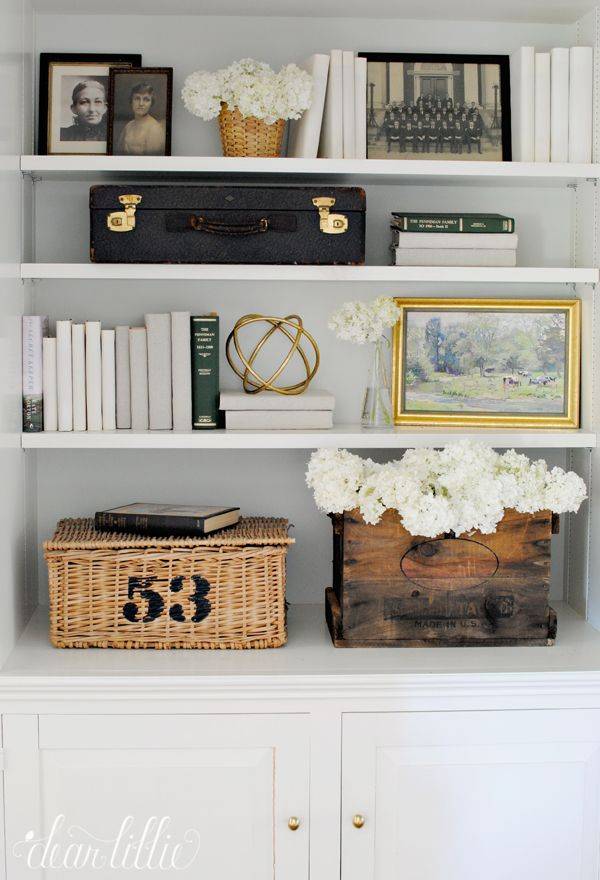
(291, 327)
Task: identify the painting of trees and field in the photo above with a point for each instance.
(499, 362)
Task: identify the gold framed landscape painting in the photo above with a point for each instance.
(487, 362)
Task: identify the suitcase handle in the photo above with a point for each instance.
(201, 224)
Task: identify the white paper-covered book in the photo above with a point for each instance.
(522, 99)
(331, 144)
(541, 114)
(462, 240)
(306, 131)
(581, 84)
(282, 420)
(455, 257)
(271, 401)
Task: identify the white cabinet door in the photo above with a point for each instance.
(149, 796)
(471, 795)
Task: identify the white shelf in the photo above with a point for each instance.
(360, 274)
(308, 657)
(365, 170)
(351, 436)
(560, 11)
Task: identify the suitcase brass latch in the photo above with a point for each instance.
(124, 221)
(331, 224)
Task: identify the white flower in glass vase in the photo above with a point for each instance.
(361, 322)
(249, 94)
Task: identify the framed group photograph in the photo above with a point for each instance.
(139, 122)
(74, 102)
(438, 106)
(487, 362)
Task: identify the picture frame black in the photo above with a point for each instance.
(502, 93)
(149, 76)
(47, 59)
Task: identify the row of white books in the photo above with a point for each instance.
(335, 125)
(454, 249)
(551, 104)
(95, 379)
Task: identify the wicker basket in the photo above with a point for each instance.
(131, 591)
(249, 136)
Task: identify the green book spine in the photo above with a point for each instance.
(205, 371)
(453, 223)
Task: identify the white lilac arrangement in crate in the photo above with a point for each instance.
(462, 488)
(252, 102)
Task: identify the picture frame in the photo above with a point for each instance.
(507, 363)
(140, 116)
(58, 125)
(467, 96)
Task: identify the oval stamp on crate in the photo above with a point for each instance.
(449, 564)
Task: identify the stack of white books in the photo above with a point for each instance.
(551, 97)
(268, 410)
(454, 249)
(335, 125)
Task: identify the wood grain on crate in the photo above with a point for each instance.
(392, 588)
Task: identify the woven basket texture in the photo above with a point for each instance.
(129, 591)
(249, 136)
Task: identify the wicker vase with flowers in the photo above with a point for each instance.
(252, 103)
(249, 136)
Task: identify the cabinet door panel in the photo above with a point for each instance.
(461, 795)
(183, 795)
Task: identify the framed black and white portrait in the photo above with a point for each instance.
(139, 121)
(452, 107)
(74, 102)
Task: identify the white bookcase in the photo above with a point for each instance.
(555, 206)
(44, 268)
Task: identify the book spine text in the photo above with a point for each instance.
(35, 327)
(163, 526)
(205, 371)
(414, 223)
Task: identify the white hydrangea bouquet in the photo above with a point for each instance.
(362, 322)
(463, 488)
(252, 102)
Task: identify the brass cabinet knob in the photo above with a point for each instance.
(358, 821)
(293, 823)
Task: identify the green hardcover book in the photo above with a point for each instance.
(205, 371)
(452, 222)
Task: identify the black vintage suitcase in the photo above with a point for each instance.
(316, 225)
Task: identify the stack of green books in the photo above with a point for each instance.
(453, 239)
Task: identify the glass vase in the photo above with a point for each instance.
(377, 405)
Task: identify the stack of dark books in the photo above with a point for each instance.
(453, 240)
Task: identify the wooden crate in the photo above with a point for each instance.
(391, 588)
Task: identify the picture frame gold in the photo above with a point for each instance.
(568, 418)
